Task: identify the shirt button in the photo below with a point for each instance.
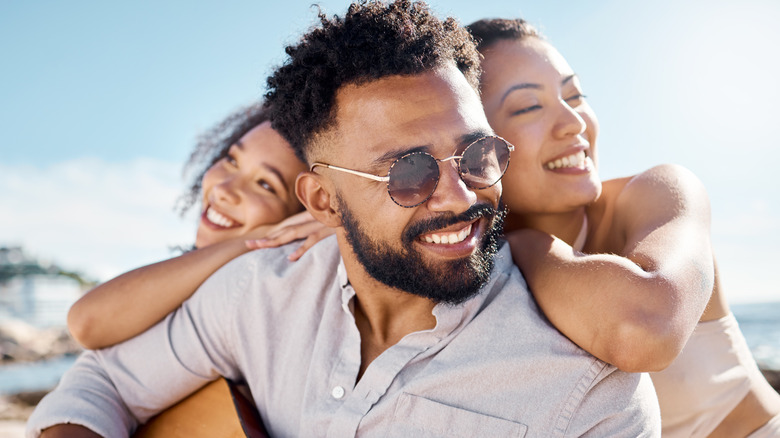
(337, 392)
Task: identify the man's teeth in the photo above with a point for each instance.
(574, 160)
(446, 238)
(218, 219)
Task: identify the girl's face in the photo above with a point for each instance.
(534, 100)
(253, 185)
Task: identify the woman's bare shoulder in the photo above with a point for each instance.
(653, 196)
(660, 194)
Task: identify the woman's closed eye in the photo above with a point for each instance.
(575, 100)
(527, 110)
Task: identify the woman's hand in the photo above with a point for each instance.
(296, 227)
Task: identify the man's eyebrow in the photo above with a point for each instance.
(473, 136)
(391, 156)
(523, 86)
(463, 141)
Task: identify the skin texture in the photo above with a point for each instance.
(647, 272)
(437, 112)
(642, 304)
(254, 185)
(254, 188)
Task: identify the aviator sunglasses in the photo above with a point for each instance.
(413, 178)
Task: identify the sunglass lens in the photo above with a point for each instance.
(413, 178)
(484, 162)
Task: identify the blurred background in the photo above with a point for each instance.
(101, 103)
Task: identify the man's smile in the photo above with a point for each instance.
(447, 237)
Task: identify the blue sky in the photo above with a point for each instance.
(100, 104)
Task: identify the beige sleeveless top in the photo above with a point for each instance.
(706, 381)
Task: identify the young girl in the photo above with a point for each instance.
(624, 268)
(247, 192)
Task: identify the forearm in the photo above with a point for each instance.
(131, 303)
(636, 319)
(84, 401)
(68, 431)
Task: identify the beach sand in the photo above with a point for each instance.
(12, 429)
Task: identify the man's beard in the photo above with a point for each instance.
(450, 282)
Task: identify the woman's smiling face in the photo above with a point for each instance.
(534, 100)
(253, 185)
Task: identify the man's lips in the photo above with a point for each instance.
(448, 237)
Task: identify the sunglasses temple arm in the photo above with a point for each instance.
(353, 172)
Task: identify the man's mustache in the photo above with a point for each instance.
(424, 226)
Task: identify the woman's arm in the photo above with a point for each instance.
(134, 301)
(68, 431)
(637, 308)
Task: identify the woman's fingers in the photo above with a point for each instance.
(310, 241)
(313, 231)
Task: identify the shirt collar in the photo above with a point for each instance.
(448, 317)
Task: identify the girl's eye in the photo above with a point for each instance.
(576, 100)
(266, 185)
(232, 161)
(527, 110)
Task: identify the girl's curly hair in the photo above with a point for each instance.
(213, 145)
(373, 40)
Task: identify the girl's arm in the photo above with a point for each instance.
(132, 302)
(637, 308)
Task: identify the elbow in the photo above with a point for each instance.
(647, 345)
(81, 326)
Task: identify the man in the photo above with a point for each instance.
(411, 322)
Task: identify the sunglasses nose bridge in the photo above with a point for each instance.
(454, 166)
(455, 159)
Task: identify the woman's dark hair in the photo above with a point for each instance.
(488, 31)
(213, 145)
(372, 41)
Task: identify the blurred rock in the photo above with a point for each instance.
(773, 377)
(21, 342)
(19, 406)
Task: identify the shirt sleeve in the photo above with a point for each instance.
(618, 404)
(110, 391)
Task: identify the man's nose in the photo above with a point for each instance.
(451, 194)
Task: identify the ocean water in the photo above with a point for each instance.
(45, 302)
(760, 323)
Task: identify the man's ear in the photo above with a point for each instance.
(313, 193)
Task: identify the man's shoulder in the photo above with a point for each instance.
(264, 272)
(263, 263)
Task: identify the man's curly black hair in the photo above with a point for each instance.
(373, 40)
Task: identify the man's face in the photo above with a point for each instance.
(443, 248)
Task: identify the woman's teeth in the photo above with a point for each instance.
(448, 238)
(574, 160)
(218, 219)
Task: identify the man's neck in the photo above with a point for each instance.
(383, 314)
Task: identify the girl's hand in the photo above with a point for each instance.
(296, 227)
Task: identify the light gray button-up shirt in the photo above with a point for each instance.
(493, 366)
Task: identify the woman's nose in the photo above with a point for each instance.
(569, 122)
(228, 191)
